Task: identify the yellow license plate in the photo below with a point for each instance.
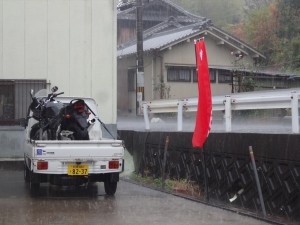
(78, 170)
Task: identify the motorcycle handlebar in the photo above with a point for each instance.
(53, 95)
(59, 93)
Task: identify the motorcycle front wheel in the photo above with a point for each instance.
(35, 133)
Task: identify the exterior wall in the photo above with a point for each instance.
(126, 100)
(71, 44)
(184, 54)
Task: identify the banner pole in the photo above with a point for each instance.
(204, 175)
(163, 173)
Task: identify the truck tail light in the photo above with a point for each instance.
(113, 165)
(42, 165)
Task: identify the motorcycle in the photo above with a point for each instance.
(56, 120)
(75, 120)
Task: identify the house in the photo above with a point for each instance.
(169, 56)
(154, 13)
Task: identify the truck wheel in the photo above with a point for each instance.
(34, 185)
(34, 188)
(110, 187)
(26, 174)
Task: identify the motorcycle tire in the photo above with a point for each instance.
(34, 133)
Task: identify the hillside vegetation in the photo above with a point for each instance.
(271, 26)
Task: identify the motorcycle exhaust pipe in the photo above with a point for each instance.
(91, 122)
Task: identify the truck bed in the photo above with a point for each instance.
(59, 155)
(90, 149)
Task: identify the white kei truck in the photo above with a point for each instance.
(74, 162)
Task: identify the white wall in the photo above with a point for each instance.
(70, 43)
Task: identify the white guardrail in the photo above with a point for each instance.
(276, 99)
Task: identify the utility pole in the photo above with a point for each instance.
(139, 57)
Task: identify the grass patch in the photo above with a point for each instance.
(182, 186)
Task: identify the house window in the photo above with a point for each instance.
(15, 99)
(212, 74)
(224, 76)
(195, 75)
(179, 74)
(131, 79)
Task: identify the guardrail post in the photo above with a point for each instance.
(295, 112)
(179, 115)
(227, 113)
(146, 117)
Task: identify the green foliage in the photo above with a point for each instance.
(248, 84)
(289, 11)
(288, 51)
(154, 182)
(163, 89)
(183, 186)
(274, 30)
(295, 43)
(260, 30)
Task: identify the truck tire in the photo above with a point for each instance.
(110, 187)
(26, 174)
(34, 185)
(34, 188)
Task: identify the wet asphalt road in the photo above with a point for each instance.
(132, 205)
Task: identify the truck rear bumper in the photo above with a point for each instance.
(65, 180)
(62, 167)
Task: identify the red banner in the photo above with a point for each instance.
(204, 111)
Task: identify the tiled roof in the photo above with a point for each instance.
(159, 41)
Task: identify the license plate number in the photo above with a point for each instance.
(78, 170)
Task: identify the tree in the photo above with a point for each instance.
(271, 26)
(274, 30)
(261, 29)
(289, 33)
